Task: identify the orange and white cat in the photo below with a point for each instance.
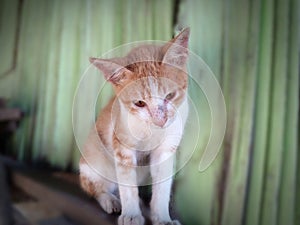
(138, 132)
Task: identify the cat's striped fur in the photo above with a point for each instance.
(141, 126)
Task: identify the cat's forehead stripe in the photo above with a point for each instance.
(161, 86)
(152, 83)
(146, 91)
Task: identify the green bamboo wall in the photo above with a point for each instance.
(54, 42)
(251, 46)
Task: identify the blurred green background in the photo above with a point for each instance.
(252, 46)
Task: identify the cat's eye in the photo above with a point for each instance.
(140, 103)
(170, 96)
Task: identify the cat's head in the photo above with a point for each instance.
(151, 81)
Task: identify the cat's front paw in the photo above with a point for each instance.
(131, 220)
(173, 222)
(109, 203)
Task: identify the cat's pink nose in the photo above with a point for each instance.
(159, 117)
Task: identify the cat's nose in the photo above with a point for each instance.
(159, 117)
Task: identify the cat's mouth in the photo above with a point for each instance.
(163, 124)
(160, 123)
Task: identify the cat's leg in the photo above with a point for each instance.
(128, 190)
(162, 162)
(101, 189)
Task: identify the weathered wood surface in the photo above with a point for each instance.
(53, 195)
(81, 211)
(7, 114)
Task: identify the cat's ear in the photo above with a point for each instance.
(112, 71)
(176, 51)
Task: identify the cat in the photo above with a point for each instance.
(139, 130)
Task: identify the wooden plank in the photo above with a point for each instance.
(10, 114)
(57, 221)
(36, 211)
(69, 205)
(19, 219)
(61, 191)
